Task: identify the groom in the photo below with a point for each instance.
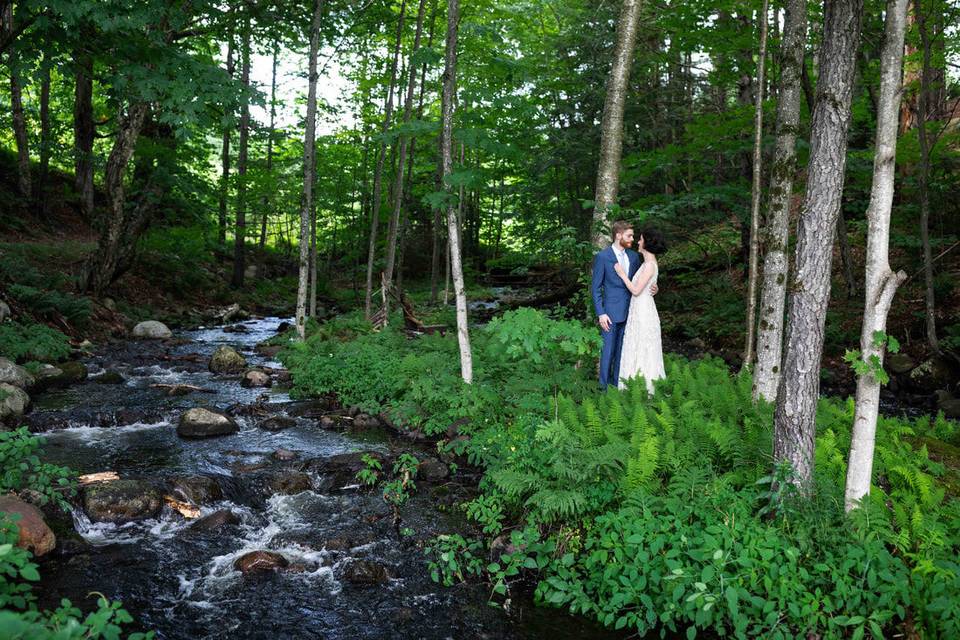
(611, 298)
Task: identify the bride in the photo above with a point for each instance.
(642, 353)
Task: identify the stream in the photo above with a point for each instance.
(348, 574)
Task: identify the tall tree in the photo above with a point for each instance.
(923, 179)
(45, 134)
(611, 133)
(267, 199)
(393, 227)
(446, 154)
(773, 291)
(794, 427)
(84, 130)
(381, 158)
(10, 20)
(755, 190)
(225, 157)
(309, 171)
(881, 281)
(240, 224)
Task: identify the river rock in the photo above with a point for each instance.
(931, 374)
(13, 402)
(71, 372)
(14, 374)
(35, 535)
(121, 501)
(277, 423)
(226, 360)
(284, 326)
(949, 404)
(268, 350)
(291, 483)
(365, 421)
(257, 561)
(4, 311)
(284, 455)
(196, 489)
(47, 375)
(255, 378)
(233, 312)
(327, 422)
(339, 471)
(900, 363)
(365, 573)
(109, 377)
(201, 423)
(215, 520)
(152, 330)
(432, 470)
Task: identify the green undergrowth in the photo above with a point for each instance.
(658, 513)
(23, 472)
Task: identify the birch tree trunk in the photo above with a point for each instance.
(83, 130)
(381, 158)
(394, 225)
(225, 161)
(794, 429)
(240, 224)
(611, 132)
(881, 281)
(773, 292)
(446, 133)
(755, 189)
(267, 199)
(923, 179)
(309, 159)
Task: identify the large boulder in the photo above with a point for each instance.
(12, 373)
(70, 372)
(122, 501)
(196, 489)
(900, 363)
(202, 423)
(35, 535)
(257, 561)
(4, 311)
(226, 360)
(931, 375)
(255, 378)
(13, 402)
(949, 404)
(152, 329)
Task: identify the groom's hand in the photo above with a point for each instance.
(605, 323)
(653, 290)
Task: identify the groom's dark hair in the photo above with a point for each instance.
(619, 227)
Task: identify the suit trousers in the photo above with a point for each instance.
(610, 354)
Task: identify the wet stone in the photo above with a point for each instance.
(365, 573)
(215, 520)
(121, 501)
(284, 455)
(201, 423)
(260, 561)
(277, 423)
(291, 482)
(196, 489)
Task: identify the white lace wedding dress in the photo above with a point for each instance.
(642, 353)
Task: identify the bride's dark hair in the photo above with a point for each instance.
(653, 241)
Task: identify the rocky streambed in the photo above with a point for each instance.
(232, 511)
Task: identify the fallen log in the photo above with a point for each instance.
(185, 509)
(101, 476)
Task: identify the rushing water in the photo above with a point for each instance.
(182, 582)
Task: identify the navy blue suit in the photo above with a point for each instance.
(611, 297)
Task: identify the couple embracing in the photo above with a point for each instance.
(624, 283)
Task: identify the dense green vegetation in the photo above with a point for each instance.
(661, 512)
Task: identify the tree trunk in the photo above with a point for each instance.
(83, 130)
(923, 179)
(225, 161)
(240, 228)
(456, 265)
(103, 264)
(776, 232)
(309, 164)
(381, 158)
(881, 281)
(846, 258)
(611, 133)
(756, 187)
(41, 195)
(267, 199)
(20, 134)
(393, 227)
(794, 428)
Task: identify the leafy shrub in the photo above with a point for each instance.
(22, 342)
(49, 304)
(21, 468)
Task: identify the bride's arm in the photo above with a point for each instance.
(635, 289)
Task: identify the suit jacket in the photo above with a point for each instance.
(610, 294)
